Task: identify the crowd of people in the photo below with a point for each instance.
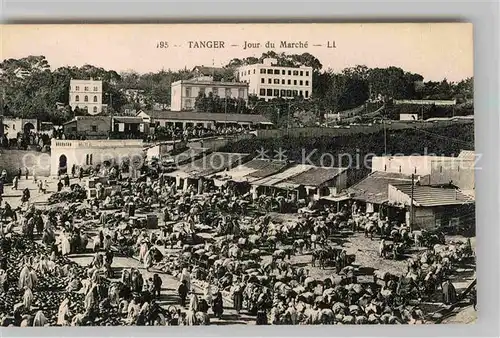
(176, 133)
(214, 239)
(24, 140)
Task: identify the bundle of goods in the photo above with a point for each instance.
(76, 194)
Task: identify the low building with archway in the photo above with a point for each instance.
(15, 125)
(68, 153)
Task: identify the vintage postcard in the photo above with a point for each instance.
(237, 174)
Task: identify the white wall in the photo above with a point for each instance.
(89, 88)
(441, 170)
(100, 150)
(252, 75)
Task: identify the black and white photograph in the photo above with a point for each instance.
(237, 174)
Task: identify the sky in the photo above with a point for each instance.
(434, 50)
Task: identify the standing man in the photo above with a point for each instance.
(26, 172)
(15, 182)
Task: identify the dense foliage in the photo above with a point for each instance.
(445, 141)
(32, 89)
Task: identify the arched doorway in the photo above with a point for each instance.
(28, 127)
(63, 164)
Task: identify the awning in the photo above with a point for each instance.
(336, 198)
(226, 122)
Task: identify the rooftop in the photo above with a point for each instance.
(374, 188)
(428, 196)
(209, 165)
(254, 170)
(283, 176)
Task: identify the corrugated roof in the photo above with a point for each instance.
(251, 170)
(467, 155)
(375, 187)
(271, 168)
(282, 176)
(316, 176)
(428, 196)
(210, 164)
(202, 116)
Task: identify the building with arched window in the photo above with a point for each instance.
(86, 93)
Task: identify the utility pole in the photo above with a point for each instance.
(411, 201)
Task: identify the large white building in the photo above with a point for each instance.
(86, 94)
(184, 92)
(268, 81)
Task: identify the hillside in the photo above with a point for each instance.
(440, 141)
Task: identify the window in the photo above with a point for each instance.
(188, 92)
(289, 72)
(269, 71)
(77, 88)
(254, 71)
(294, 82)
(90, 159)
(93, 128)
(95, 98)
(95, 109)
(301, 82)
(77, 98)
(283, 81)
(276, 92)
(415, 170)
(295, 72)
(283, 92)
(202, 90)
(262, 92)
(295, 93)
(399, 168)
(188, 103)
(288, 93)
(241, 93)
(87, 159)
(262, 71)
(86, 89)
(385, 167)
(276, 72)
(441, 169)
(289, 82)
(269, 92)
(276, 81)
(301, 73)
(307, 73)
(228, 92)
(215, 91)
(13, 127)
(269, 81)
(300, 93)
(96, 89)
(307, 83)
(283, 72)
(307, 94)
(262, 80)
(86, 98)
